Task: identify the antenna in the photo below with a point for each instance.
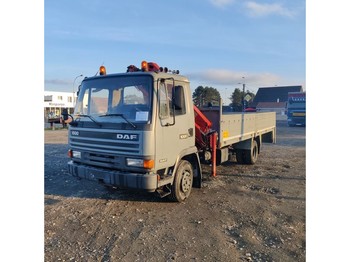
(99, 69)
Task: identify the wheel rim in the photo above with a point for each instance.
(186, 182)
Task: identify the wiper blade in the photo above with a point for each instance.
(122, 116)
(92, 119)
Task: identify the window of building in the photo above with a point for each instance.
(47, 98)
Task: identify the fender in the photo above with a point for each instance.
(191, 155)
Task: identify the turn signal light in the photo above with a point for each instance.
(148, 164)
(70, 153)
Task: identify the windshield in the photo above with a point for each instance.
(115, 99)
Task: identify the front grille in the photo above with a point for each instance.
(102, 159)
(104, 147)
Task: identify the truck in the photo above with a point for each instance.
(296, 109)
(140, 130)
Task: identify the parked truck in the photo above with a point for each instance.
(296, 108)
(140, 130)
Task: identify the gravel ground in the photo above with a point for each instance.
(246, 213)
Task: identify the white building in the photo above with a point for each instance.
(55, 102)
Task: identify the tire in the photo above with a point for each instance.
(181, 188)
(251, 156)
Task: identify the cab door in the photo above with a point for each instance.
(175, 128)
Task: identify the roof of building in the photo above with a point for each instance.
(275, 94)
(271, 105)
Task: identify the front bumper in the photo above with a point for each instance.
(146, 182)
(297, 121)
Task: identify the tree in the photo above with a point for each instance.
(197, 96)
(237, 98)
(204, 95)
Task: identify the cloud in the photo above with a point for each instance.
(222, 3)
(258, 10)
(58, 82)
(227, 77)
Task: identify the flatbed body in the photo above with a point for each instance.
(235, 127)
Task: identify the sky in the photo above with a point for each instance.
(217, 43)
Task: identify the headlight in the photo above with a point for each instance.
(76, 154)
(140, 163)
(134, 162)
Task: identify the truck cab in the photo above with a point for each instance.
(136, 130)
(296, 109)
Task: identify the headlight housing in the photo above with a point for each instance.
(137, 162)
(74, 154)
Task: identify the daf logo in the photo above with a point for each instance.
(127, 137)
(75, 133)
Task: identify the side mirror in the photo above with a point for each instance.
(72, 122)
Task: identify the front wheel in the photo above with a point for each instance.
(181, 188)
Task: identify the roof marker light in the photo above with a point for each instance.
(102, 70)
(144, 66)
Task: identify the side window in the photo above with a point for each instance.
(179, 100)
(163, 101)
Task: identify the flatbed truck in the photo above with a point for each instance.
(140, 130)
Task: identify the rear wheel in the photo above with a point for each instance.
(181, 188)
(251, 156)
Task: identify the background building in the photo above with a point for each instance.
(273, 99)
(55, 102)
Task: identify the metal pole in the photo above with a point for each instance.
(243, 83)
(243, 106)
(213, 138)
